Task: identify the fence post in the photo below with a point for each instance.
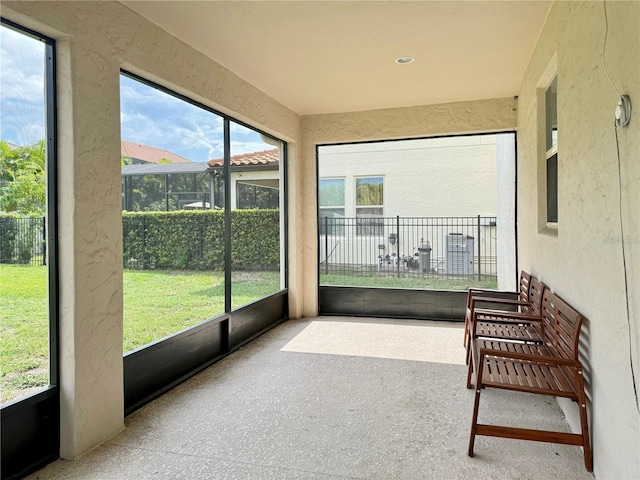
(398, 243)
(326, 245)
(44, 240)
(144, 241)
(201, 253)
(479, 253)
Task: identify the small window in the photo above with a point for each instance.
(369, 206)
(551, 127)
(331, 206)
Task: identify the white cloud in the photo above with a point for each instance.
(21, 87)
(155, 118)
(239, 147)
(198, 138)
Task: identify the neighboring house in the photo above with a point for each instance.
(255, 178)
(143, 154)
(174, 186)
(363, 187)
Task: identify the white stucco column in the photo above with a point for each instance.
(506, 173)
(90, 255)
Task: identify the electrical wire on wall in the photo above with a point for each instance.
(622, 118)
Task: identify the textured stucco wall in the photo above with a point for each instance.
(491, 115)
(95, 40)
(582, 261)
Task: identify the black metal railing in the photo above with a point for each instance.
(22, 240)
(452, 247)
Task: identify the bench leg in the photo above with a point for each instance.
(476, 406)
(466, 327)
(470, 361)
(474, 421)
(586, 443)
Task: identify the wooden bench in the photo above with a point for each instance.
(550, 368)
(477, 297)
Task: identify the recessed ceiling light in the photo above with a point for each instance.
(405, 60)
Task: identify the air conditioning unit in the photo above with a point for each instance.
(460, 254)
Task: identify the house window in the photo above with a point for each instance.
(551, 127)
(331, 206)
(369, 206)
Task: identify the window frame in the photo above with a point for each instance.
(51, 200)
(336, 230)
(551, 155)
(27, 449)
(226, 184)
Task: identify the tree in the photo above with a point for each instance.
(22, 179)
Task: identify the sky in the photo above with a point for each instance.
(21, 88)
(147, 115)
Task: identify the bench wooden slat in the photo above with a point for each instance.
(500, 372)
(513, 331)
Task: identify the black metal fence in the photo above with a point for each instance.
(22, 240)
(450, 247)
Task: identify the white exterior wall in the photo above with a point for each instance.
(442, 177)
(94, 41)
(582, 261)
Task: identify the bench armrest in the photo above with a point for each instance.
(487, 293)
(491, 290)
(505, 301)
(512, 316)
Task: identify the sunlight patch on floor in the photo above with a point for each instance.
(422, 342)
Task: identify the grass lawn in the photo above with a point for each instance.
(156, 304)
(24, 330)
(433, 283)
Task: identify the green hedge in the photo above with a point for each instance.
(8, 237)
(194, 240)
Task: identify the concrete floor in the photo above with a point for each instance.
(332, 398)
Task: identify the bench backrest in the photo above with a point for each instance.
(523, 286)
(561, 329)
(523, 292)
(536, 289)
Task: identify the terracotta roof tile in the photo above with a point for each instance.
(149, 154)
(264, 157)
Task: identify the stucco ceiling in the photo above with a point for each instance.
(325, 57)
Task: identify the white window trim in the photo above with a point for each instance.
(550, 73)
